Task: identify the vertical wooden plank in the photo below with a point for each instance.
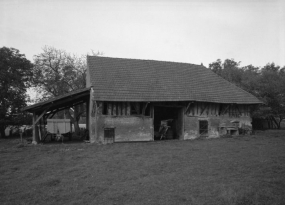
(197, 108)
(128, 108)
(208, 108)
(100, 107)
(114, 108)
(109, 108)
(218, 109)
(123, 108)
(41, 129)
(119, 108)
(151, 111)
(200, 104)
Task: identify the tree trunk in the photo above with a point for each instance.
(76, 127)
(78, 110)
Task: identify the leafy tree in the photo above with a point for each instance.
(15, 76)
(57, 72)
(267, 83)
(229, 70)
(271, 88)
(216, 66)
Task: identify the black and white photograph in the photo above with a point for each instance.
(142, 102)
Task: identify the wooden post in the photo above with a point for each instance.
(114, 108)
(123, 108)
(35, 130)
(137, 107)
(87, 114)
(40, 128)
(152, 116)
(92, 120)
(109, 108)
(119, 108)
(128, 108)
(100, 108)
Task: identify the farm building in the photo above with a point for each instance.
(133, 100)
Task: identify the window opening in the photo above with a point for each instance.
(109, 135)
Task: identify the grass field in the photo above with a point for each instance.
(238, 170)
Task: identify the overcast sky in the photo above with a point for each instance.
(193, 31)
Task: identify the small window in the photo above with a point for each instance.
(203, 127)
(109, 135)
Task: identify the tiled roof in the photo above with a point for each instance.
(55, 99)
(118, 79)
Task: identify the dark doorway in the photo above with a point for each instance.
(203, 127)
(175, 119)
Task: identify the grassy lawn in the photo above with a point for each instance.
(238, 170)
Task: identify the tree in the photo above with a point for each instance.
(267, 83)
(15, 77)
(229, 70)
(57, 72)
(271, 88)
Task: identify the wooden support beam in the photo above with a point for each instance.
(63, 108)
(152, 112)
(123, 108)
(94, 108)
(44, 112)
(35, 130)
(137, 107)
(144, 108)
(109, 108)
(204, 108)
(87, 115)
(114, 108)
(188, 107)
(53, 113)
(100, 107)
(225, 110)
(238, 110)
(119, 109)
(128, 108)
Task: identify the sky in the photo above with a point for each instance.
(193, 31)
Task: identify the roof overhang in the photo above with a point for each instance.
(61, 102)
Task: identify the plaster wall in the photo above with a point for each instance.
(127, 128)
(191, 125)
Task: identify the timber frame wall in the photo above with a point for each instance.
(134, 121)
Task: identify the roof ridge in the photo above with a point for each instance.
(162, 61)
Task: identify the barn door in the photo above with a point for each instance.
(203, 127)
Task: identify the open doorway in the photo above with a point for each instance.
(173, 117)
